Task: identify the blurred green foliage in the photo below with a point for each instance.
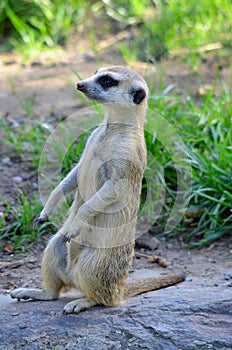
(162, 26)
(206, 130)
(38, 23)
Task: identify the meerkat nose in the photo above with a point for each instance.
(81, 87)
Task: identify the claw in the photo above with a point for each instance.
(39, 220)
(66, 239)
(36, 221)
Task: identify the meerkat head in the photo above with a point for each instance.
(115, 84)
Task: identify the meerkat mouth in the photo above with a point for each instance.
(89, 93)
(94, 97)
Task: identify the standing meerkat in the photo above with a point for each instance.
(93, 250)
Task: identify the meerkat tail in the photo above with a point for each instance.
(143, 285)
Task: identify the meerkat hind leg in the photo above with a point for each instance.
(78, 305)
(35, 294)
(53, 269)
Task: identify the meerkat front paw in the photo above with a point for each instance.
(39, 220)
(69, 235)
(72, 233)
(66, 238)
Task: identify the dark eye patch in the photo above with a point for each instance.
(107, 81)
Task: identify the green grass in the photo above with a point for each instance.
(171, 27)
(24, 141)
(30, 26)
(163, 27)
(16, 225)
(206, 130)
(27, 143)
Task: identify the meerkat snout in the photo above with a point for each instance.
(81, 87)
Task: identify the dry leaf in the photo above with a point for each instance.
(8, 248)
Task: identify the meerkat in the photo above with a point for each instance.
(93, 250)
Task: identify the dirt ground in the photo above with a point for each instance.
(48, 86)
(212, 264)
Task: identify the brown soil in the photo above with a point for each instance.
(213, 265)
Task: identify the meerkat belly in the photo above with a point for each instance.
(109, 157)
(107, 271)
(115, 225)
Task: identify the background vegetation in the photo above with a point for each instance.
(156, 29)
(163, 26)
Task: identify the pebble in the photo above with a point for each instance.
(47, 127)
(154, 243)
(17, 179)
(199, 342)
(34, 186)
(189, 279)
(23, 326)
(178, 257)
(3, 95)
(7, 161)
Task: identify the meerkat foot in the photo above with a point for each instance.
(34, 294)
(76, 306)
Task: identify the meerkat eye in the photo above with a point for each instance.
(107, 82)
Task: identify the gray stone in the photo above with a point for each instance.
(7, 161)
(182, 317)
(17, 179)
(147, 241)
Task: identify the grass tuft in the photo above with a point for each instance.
(206, 130)
(16, 225)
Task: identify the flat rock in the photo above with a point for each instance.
(182, 317)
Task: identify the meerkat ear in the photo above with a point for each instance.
(138, 96)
